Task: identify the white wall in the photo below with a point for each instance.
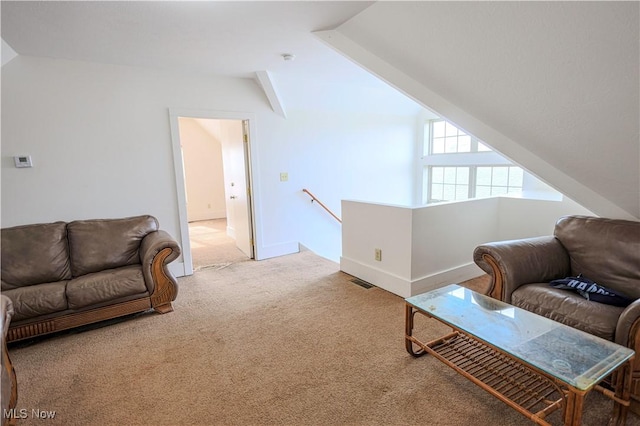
(335, 155)
(534, 217)
(367, 227)
(101, 144)
(202, 154)
(443, 238)
(426, 247)
(100, 139)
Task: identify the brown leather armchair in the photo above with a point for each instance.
(606, 251)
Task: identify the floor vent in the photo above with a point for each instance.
(361, 283)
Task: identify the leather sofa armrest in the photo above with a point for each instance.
(628, 334)
(157, 250)
(628, 327)
(516, 262)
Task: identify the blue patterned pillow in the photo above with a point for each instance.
(592, 291)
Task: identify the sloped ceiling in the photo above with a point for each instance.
(552, 85)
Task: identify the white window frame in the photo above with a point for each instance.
(471, 159)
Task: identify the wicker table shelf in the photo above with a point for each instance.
(531, 393)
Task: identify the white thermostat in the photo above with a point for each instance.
(23, 161)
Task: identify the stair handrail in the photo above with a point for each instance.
(314, 198)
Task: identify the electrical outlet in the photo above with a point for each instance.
(284, 176)
(378, 255)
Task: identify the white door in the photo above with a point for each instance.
(238, 189)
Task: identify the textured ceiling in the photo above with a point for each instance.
(222, 38)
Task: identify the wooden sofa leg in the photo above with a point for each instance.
(164, 309)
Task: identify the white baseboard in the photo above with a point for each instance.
(404, 287)
(276, 250)
(231, 231)
(379, 278)
(446, 277)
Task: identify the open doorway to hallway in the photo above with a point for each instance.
(217, 209)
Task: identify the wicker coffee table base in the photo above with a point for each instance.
(525, 389)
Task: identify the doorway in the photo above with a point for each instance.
(213, 181)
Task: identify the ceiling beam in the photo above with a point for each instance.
(7, 53)
(269, 88)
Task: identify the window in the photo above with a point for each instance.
(457, 166)
(497, 180)
(445, 138)
(449, 183)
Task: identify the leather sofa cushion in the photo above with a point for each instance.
(96, 245)
(105, 286)
(606, 251)
(34, 254)
(568, 308)
(42, 299)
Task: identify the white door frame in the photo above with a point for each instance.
(178, 165)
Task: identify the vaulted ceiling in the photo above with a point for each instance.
(555, 86)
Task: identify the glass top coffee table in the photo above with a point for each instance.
(530, 362)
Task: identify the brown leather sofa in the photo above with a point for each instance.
(9, 385)
(62, 275)
(606, 251)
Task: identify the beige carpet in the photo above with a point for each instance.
(211, 247)
(285, 341)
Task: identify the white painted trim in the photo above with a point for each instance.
(446, 277)
(404, 287)
(433, 102)
(178, 167)
(8, 54)
(383, 279)
(269, 88)
(174, 114)
(177, 269)
(277, 250)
